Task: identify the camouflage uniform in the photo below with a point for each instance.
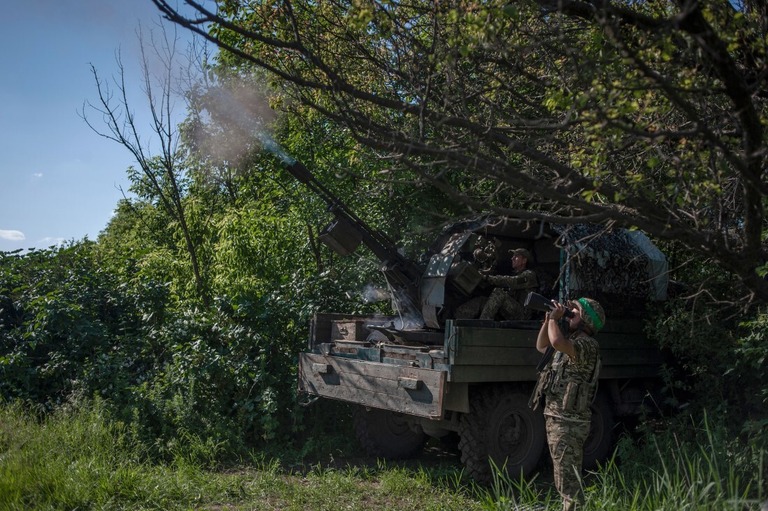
(509, 296)
(568, 386)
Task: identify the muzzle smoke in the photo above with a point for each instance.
(235, 121)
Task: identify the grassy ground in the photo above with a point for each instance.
(77, 461)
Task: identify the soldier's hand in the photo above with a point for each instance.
(557, 312)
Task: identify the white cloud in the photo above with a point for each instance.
(37, 175)
(12, 235)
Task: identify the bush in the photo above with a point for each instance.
(63, 322)
(716, 363)
(177, 371)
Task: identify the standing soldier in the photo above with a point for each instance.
(568, 384)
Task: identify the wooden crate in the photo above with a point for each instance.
(353, 330)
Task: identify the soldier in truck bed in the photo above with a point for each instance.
(508, 297)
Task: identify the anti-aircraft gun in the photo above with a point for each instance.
(446, 375)
(416, 289)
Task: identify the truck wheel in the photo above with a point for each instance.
(599, 444)
(388, 435)
(501, 427)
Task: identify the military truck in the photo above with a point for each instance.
(423, 372)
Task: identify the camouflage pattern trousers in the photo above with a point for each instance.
(566, 446)
(501, 301)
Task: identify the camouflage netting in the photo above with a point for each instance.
(621, 269)
(618, 268)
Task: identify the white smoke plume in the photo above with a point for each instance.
(235, 121)
(372, 294)
(411, 321)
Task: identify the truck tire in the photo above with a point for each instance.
(387, 435)
(600, 442)
(502, 428)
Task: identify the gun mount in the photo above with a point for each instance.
(618, 268)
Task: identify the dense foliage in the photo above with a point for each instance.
(73, 329)
(640, 114)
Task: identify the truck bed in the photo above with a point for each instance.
(424, 372)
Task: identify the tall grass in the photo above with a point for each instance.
(706, 472)
(79, 459)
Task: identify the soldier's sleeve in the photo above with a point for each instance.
(526, 279)
(522, 280)
(502, 280)
(496, 280)
(577, 349)
(586, 352)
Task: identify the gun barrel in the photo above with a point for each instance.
(400, 271)
(381, 245)
(300, 172)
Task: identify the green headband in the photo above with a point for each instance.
(596, 321)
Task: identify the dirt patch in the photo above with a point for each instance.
(436, 456)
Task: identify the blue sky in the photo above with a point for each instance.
(58, 179)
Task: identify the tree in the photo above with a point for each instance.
(644, 115)
(160, 177)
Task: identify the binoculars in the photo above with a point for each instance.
(541, 303)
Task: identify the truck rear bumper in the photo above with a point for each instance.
(409, 390)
